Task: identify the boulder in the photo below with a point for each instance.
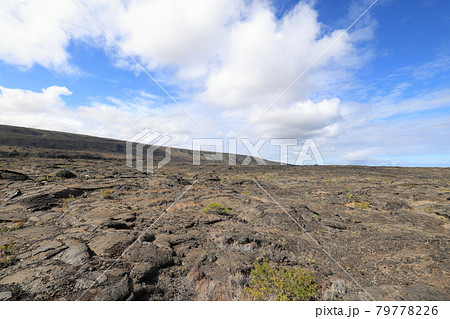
(424, 292)
(12, 176)
(76, 254)
(65, 174)
(111, 244)
(116, 292)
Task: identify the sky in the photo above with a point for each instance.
(375, 94)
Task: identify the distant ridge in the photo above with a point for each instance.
(36, 138)
(22, 141)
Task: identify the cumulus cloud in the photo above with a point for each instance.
(118, 119)
(193, 37)
(44, 109)
(265, 55)
(20, 101)
(39, 32)
(187, 35)
(302, 120)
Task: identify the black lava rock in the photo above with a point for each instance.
(65, 174)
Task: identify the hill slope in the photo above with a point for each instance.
(15, 141)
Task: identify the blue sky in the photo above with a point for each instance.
(379, 96)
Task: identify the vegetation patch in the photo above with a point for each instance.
(7, 248)
(285, 284)
(217, 208)
(7, 254)
(107, 193)
(70, 198)
(362, 205)
(349, 194)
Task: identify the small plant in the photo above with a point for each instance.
(45, 178)
(269, 283)
(245, 192)
(7, 254)
(106, 193)
(348, 191)
(7, 248)
(362, 205)
(217, 208)
(70, 198)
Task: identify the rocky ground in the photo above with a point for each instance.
(64, 222)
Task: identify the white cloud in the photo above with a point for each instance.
(191, 37)
(264, 56)
(44, 109)
(383, 129)
(15, 100)
(302, 120)
(38, 32)
(358, 155)
(119, 119)
(183, 36)
(177, 34)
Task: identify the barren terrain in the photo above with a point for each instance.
(68, 215)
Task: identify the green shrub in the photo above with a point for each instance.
(269, 283)
(70, 198)
(217, 208)
(362, 205)
(107, 193)
(7, 248)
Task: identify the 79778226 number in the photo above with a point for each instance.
(407, 310)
